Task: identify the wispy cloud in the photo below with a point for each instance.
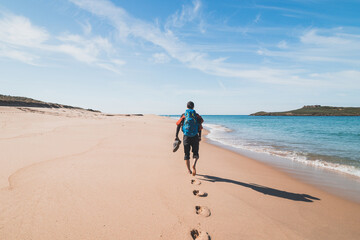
(87, 28)
(21, 40)
(28, 43)
(187, 14)
(83, 49)
(314, 36)
(282, 44)
(257, 18)
(339, 80)
(286, 10)
(160, 58)
(132, 28)
(9, 52)
(320, 45)
(19, 31)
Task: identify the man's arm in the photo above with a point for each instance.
(178, 126)
(200, 120)
(177, 131)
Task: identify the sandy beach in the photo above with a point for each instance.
(75, 174)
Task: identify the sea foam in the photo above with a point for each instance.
(218, 133)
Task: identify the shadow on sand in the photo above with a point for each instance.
(265, 190)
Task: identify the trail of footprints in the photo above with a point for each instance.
(202, 211)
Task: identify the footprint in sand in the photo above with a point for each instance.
(199, 235)
(195, 182)
(203, 211)
(200, 193)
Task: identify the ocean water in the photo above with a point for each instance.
(330, 143)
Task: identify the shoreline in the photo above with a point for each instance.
(337, 182)
(341, 165)
(90, 176)
(324, 163)
(330, 181)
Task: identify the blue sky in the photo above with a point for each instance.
(229, 57)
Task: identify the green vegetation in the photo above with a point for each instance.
(12, 101)
(315, 110)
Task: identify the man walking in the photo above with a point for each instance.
(190, 122)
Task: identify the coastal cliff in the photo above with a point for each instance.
(315, 110)
(12, 101)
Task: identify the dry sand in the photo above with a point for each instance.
(71, 174)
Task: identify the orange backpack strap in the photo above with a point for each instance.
(180, 120)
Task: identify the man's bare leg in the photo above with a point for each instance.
(188, 165)
(194, 166)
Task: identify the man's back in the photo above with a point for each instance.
(191, 124)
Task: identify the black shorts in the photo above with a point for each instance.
(193, 143)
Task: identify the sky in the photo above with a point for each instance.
(140, 56)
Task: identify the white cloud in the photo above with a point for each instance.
(260, 52)
(187, 14)
(87, 28)
(313, 37)
(160, 58)
(19, 31)
(83, 49)
(21, 40)
(287, 10)
(17, 36)
(282, 44)
(320, 45)
(97, 51)
(118, 62)
(130, 28)
(222, 86)
(314, 45)
(18, 55)
(340, 79)
(257, 18)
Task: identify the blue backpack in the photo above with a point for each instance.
(190, 125)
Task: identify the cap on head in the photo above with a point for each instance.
(190, 105)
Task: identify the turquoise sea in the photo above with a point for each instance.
(331, 143)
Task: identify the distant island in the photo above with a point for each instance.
(13, 101)
(315, 110)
